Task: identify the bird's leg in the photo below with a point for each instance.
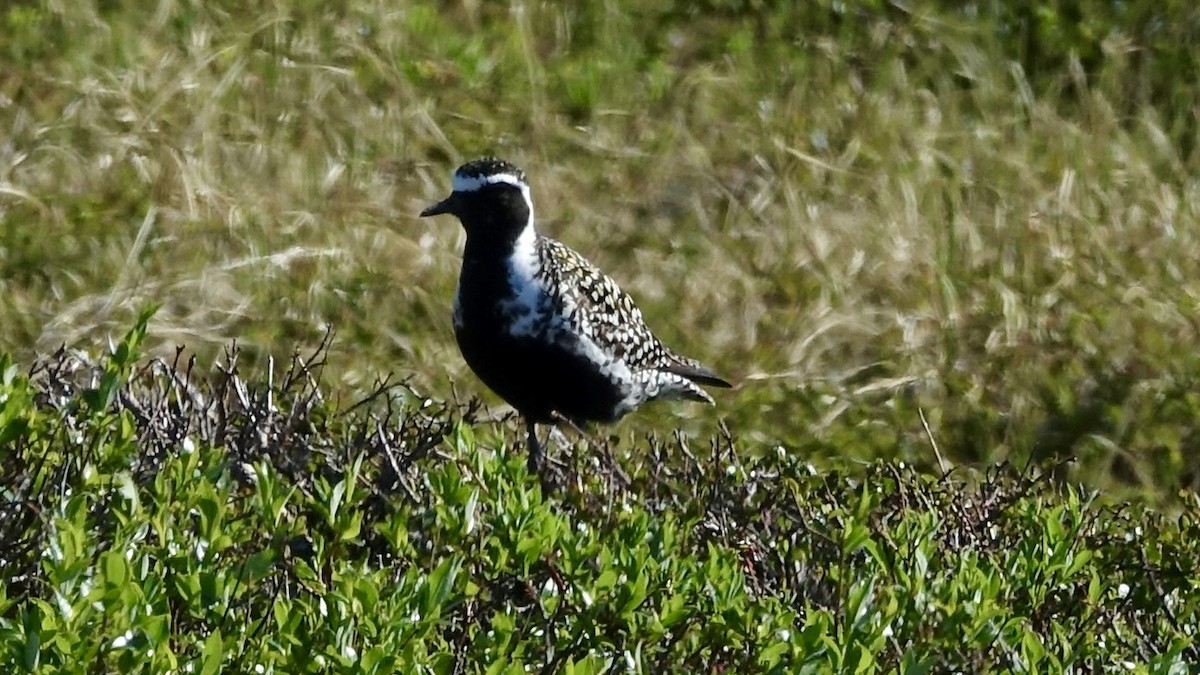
(535, 449)
(561, 421)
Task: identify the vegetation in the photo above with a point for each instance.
(946, 248)
(171, 524)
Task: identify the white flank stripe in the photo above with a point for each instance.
(523, 267)
(527, 301)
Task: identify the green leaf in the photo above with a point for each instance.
(592, 664)
(116, 569)
(637, 595)
(335, 500)
(31, 650)
(213, 654)
(1095, 589)
(258, 566)
(440, 583)
(674, 610)
(351, 529)
(1032, 648)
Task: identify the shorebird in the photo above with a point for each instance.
(544, 328)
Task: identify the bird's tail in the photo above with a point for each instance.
(697, 373)
(673, 386)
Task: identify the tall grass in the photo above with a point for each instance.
(862, 212)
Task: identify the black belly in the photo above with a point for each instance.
(539, 379)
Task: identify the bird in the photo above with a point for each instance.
(542, 327)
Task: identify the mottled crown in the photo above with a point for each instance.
(487, 171)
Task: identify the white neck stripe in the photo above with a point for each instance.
(463, 183)
(472, 183)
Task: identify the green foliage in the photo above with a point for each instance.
(148, 550)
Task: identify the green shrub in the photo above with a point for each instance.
(159, 521)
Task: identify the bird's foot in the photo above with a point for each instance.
(536, 458)
(551, 472)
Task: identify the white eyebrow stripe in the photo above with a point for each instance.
(473, 183)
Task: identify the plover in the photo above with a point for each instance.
(544, 328)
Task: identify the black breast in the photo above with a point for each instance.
(533, 374)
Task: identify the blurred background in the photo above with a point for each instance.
(982, 213)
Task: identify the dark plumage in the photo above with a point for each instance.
(543, 327)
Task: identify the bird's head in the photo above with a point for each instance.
(491, 197)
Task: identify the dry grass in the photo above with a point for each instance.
(853, 228)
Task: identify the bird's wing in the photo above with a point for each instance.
(597, 308)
